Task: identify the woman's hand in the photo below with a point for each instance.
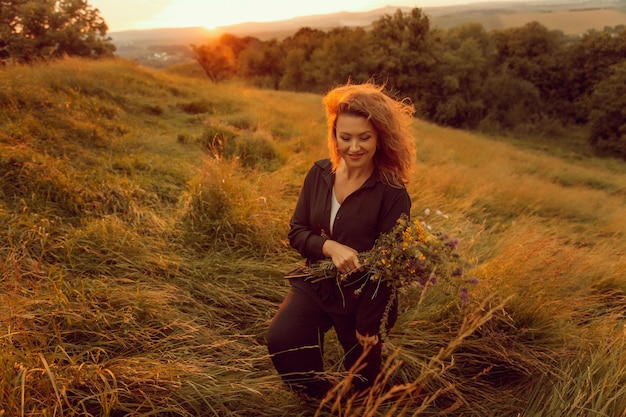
(345, 259)
(366, 341)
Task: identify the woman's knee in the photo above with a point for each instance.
(277, 338)
(298, 322)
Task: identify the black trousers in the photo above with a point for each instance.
(295, 341)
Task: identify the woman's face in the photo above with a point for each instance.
(356, 140)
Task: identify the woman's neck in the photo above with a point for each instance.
(353, 173)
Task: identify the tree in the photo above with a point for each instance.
(527, 64)
(340, 58)
(403, 49)
(526, 52)
(510, 102)
(44, 29)
(588, 62)
(217, 61)
(298, 72)
(464, 65)
(296, 76)
(237, 44)
(262, 64)
(531, 41)
(608, 117)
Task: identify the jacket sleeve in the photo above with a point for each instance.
(378, 300)
(302, 235)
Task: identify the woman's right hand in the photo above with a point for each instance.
(345, 259)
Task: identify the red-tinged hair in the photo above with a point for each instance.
(392, 120)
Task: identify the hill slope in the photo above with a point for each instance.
(143, 218)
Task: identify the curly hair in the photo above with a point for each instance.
(390, 117)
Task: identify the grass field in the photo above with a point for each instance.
(143, 221)
(572, 22)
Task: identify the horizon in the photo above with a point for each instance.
(129, 15)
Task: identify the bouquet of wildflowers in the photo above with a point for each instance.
(410, 255)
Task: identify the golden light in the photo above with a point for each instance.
(212, 14)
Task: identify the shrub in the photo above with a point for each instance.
(37, 183)
(241, 121)
(223, 106)
(253, 150)
(226, 209)
(216, 138)
(257, 151)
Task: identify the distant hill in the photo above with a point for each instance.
(165, 46)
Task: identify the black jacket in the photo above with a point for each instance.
(366, 213)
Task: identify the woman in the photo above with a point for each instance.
(346, 202)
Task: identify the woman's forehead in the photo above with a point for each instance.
(347, 122)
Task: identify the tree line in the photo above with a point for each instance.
(522, 79)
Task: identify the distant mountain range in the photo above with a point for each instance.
(160, 47)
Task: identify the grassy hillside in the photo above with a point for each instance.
(143, 218)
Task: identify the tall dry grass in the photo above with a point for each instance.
(140, 263)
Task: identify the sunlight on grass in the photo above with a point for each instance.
(141, 263)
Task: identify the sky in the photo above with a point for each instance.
(146, 14)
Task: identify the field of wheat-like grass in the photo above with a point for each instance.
(143, 222)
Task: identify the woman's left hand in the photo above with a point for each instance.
(367, 340)
(345, 258)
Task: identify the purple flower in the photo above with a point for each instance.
(457, 272)
(453, 243)
(464, 296)
(473, 281)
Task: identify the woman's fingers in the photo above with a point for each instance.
(367, 340)
(351, 265)
(352, 269)
(345, 258)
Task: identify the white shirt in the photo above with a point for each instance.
(334, 208)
